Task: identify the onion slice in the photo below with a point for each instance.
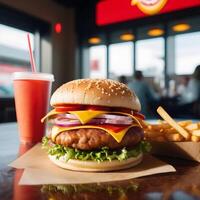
(96, 121)
(66, 122)
(111, 119)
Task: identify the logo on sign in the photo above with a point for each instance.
(149, 7)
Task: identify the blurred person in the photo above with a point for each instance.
(189, 100)
(192, 91)
(148, 98)
(123, 79)
(182, 84)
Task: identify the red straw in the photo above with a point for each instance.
(31, 54)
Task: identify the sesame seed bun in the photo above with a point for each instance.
(99, 92)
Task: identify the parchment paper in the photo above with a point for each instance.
(40, 170)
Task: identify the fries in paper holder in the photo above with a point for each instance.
(170, 130)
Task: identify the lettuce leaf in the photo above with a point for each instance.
(103, 154)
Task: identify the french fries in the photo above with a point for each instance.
(191, 127)
(173, 123)
(170, 130)
(195, 138)
(174, 137)
(196, 133)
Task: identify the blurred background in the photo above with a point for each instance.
(153, 46)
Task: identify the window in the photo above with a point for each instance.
(150, 56)
(120, 59)
(187, 48)
(14, 56)
(97, 61)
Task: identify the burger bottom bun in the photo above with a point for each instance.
(93, 166)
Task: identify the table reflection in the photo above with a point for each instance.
(90, 191)
(24, 192)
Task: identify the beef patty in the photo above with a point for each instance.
(88, 139)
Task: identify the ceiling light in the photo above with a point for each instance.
(155, 32)
(127, 36)
(181, 27)
(94, 40)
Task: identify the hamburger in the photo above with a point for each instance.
(95, 126)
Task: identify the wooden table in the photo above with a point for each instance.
(184, 184)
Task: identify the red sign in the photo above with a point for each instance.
(113, 11)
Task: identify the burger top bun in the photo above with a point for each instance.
(100, 92)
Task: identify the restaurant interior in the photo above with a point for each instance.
(89, 39)
(151, 46)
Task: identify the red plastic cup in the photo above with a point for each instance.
(32, 92)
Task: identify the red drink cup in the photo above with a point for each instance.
(32, 92)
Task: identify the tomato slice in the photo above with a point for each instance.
(129, 111)
(101, 108)
(69, 107)
(125, 110)
(139, 115)
(115, 128)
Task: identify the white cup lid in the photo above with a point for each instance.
(33, 76)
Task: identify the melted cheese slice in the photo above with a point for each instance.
(49, 114)
(118, 136)
(86, 116)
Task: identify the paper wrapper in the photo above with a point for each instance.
(40, 170)
(185, 150)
